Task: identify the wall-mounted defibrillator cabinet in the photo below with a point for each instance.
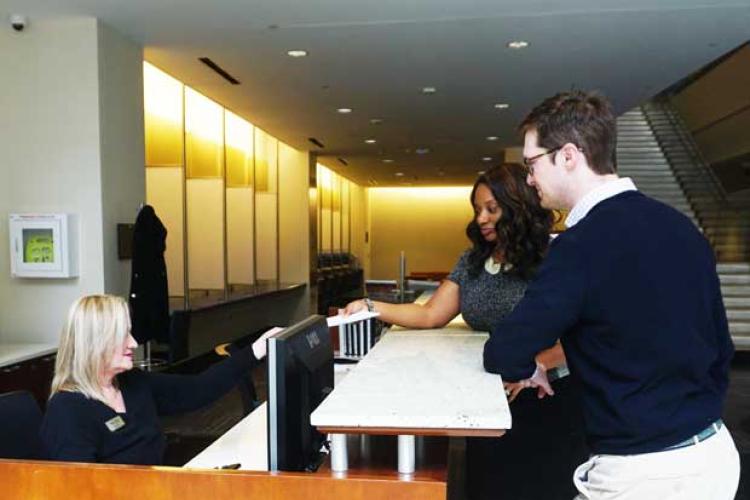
(43, 245)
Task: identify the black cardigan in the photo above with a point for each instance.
(632, 292)
(75, 427)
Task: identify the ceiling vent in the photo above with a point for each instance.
(316, 142)
(218, 69)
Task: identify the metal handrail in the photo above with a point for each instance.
(673, 124)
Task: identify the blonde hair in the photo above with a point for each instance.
(96, 326)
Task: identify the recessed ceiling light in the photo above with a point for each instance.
(502, 105)
(422, 151)
(518, 44)
(399, 174)
(376, 121)
(492, 138)
(387, 160)
(429, 90)
(370, 141)
(480, 172)
(296, 53)
(344, 111)
(487, 158)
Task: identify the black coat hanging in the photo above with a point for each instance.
(149, 293)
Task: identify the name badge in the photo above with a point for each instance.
(115, 423)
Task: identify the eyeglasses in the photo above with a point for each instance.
(529, 162)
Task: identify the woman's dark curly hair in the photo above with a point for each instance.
(523, 228)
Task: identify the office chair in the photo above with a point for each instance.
(20, 420)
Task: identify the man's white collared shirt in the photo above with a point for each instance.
(596, 196)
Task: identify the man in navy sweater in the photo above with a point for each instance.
(630, 289)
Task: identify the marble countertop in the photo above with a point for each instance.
(426, 379)
(15, 353)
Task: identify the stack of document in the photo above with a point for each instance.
(355, 332)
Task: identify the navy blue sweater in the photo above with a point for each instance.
(632, 292)
(74, 428)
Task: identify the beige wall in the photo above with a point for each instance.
(716, 108)
(294, 219)
(205, 233)
(60, 80)
(427, 223)
(121, 146)
(164, 192)
(360, 226)
(514, 155)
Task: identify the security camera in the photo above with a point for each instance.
(17, 21)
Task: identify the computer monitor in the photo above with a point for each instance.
(300, 376)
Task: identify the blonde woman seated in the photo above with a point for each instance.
(100, 409)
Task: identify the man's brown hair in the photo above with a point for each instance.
(585, 119)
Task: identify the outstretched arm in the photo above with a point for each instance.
(182, 393)
(442, 307)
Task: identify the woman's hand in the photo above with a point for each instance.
(537, 380)
(354, 307)
(259, 346)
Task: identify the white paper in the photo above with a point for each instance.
(352, 318)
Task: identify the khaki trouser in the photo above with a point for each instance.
(708, 470)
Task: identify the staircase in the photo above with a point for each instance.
(735, 287)
(725, 220)
(640, 157)
(664, 163)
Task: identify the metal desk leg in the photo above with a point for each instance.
(339, 459)
(406, 454)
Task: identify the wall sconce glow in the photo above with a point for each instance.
(437, 193)
(480, 172)
(162, 94)
(370, 141)
(203, 117)
(344, 111)
(429, 90)
(387, 160)
(325, 178)
(238, 133)
(487, 158)
(518, 44)
(492, 138)
(399, 174)
(297, 53)
(502, 105)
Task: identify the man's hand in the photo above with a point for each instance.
(538, 380)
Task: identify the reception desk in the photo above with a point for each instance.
(429, 384)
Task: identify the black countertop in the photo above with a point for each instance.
(201, 300)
